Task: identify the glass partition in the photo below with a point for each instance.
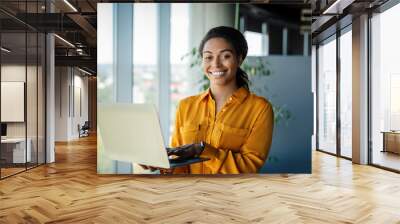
(14, 152)
(23, 91)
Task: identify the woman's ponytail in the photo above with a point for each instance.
(242, 79)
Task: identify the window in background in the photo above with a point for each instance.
(275, 35)
(105, 73)
(295, 42)
(385, 88)
(346, 93)
(105, 53)
(254, 41)
(327, 96)
(182, 80)
(145, 45)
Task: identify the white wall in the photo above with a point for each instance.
(14, 73)
(61, 103)
(70, 83)
(11, 73)
(79, 117)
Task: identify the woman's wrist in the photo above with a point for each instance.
(201, 147)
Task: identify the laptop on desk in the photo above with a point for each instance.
(132, 133)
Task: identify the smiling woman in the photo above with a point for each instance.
(226, 123)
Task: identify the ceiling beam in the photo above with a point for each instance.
(83, 61)
(85, 25)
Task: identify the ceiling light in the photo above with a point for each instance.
(5, 50)
(333, 6)
(84, 71)
(70, 5)
(64, 40)
(337, 7)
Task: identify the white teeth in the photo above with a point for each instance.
(217, 73)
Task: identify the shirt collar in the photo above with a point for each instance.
(239, 95)
(205, 94)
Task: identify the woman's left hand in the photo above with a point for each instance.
(187, 151)
(162, 170)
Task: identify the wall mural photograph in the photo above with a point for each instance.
(213, 94)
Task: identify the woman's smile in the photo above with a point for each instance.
(220, 62)
(217, 74)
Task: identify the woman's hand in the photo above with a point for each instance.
(181, 153)
(186, 151)
(162, 170)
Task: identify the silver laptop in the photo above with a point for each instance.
(132, 133)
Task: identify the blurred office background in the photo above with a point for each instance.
(141, 59)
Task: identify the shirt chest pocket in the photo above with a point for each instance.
(232, 138)
(189, 133)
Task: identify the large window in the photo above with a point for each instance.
(145, 37)
(181, 84)
(346, 93)
(255, 42)
(329, 111)
(385, 88)
(327, 96)
(105, 60)
(165, 27)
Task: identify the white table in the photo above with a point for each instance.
(19, 149)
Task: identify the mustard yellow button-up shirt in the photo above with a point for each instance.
(238, 137)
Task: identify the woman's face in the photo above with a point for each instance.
(220, 62)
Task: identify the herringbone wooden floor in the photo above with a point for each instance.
(70, 191)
